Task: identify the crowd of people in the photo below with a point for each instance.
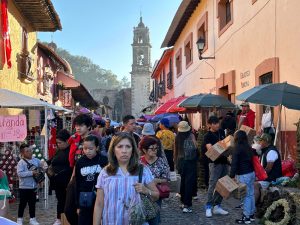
(100, 172)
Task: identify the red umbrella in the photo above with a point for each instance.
(171, 106)
(176, 109)
(163, 108)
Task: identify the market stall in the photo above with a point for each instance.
(23, 118)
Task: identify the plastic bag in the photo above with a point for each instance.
(260, 172)
(288, 168)
(136, 211)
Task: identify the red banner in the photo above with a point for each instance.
(5, 33)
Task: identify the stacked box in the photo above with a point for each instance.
(240, 192)
(250, 133)
(225, 186)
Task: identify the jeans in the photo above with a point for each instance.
(188, 180)
(249, 200)
(216, 171)
(85, 216)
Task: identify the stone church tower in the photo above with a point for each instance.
(141, 69)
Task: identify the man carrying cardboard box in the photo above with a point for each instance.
(217, 169)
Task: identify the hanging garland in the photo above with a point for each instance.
(286, 209)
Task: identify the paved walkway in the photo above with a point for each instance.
(171, 213)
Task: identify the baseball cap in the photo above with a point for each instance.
(165, 122)
(245, 104)
(265, 137)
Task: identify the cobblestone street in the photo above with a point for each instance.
(171, 212)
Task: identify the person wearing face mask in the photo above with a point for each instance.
(270, 160)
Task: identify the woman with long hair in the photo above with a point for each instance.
(118, 184)
(242, 166)
(185, 158)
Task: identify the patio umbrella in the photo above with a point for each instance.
(273, 95)
(206, 101)
(173, 119)
(278, 94)
(160, 116)
(167, 106)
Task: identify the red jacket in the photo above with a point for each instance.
(250, 119)
(74, 142)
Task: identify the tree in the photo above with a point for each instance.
(125, 83)
(88, 73)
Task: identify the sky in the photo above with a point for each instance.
(102, 30)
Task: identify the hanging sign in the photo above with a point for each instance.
(13, 128)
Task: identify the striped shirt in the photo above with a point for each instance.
(118, 193)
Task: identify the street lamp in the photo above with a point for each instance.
(200, 45)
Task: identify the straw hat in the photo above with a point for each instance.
(183, 126)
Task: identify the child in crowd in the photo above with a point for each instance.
(27, 184)
(87, 170)
(83, 124)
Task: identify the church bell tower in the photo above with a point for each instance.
(141, 69)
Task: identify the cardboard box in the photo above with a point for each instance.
(229, 143)
(216, 150)
(225, 186)
(250, 133)
(221, 148)
(240, 192)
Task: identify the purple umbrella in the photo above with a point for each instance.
(173, 119)
(96, 117)
(84, 111)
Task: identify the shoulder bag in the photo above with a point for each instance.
(40, 176)
(164, 190)
(151, 208)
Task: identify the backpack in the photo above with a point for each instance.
(190, 149)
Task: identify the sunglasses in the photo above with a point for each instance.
(153, 149)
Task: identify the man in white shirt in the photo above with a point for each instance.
(270, 160)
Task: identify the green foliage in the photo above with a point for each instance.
(90, 74)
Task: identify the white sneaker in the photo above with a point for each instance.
(218, 210)
(187, 210)
(33, 221)
(20, 221)
(57, 222)
(208, 212)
